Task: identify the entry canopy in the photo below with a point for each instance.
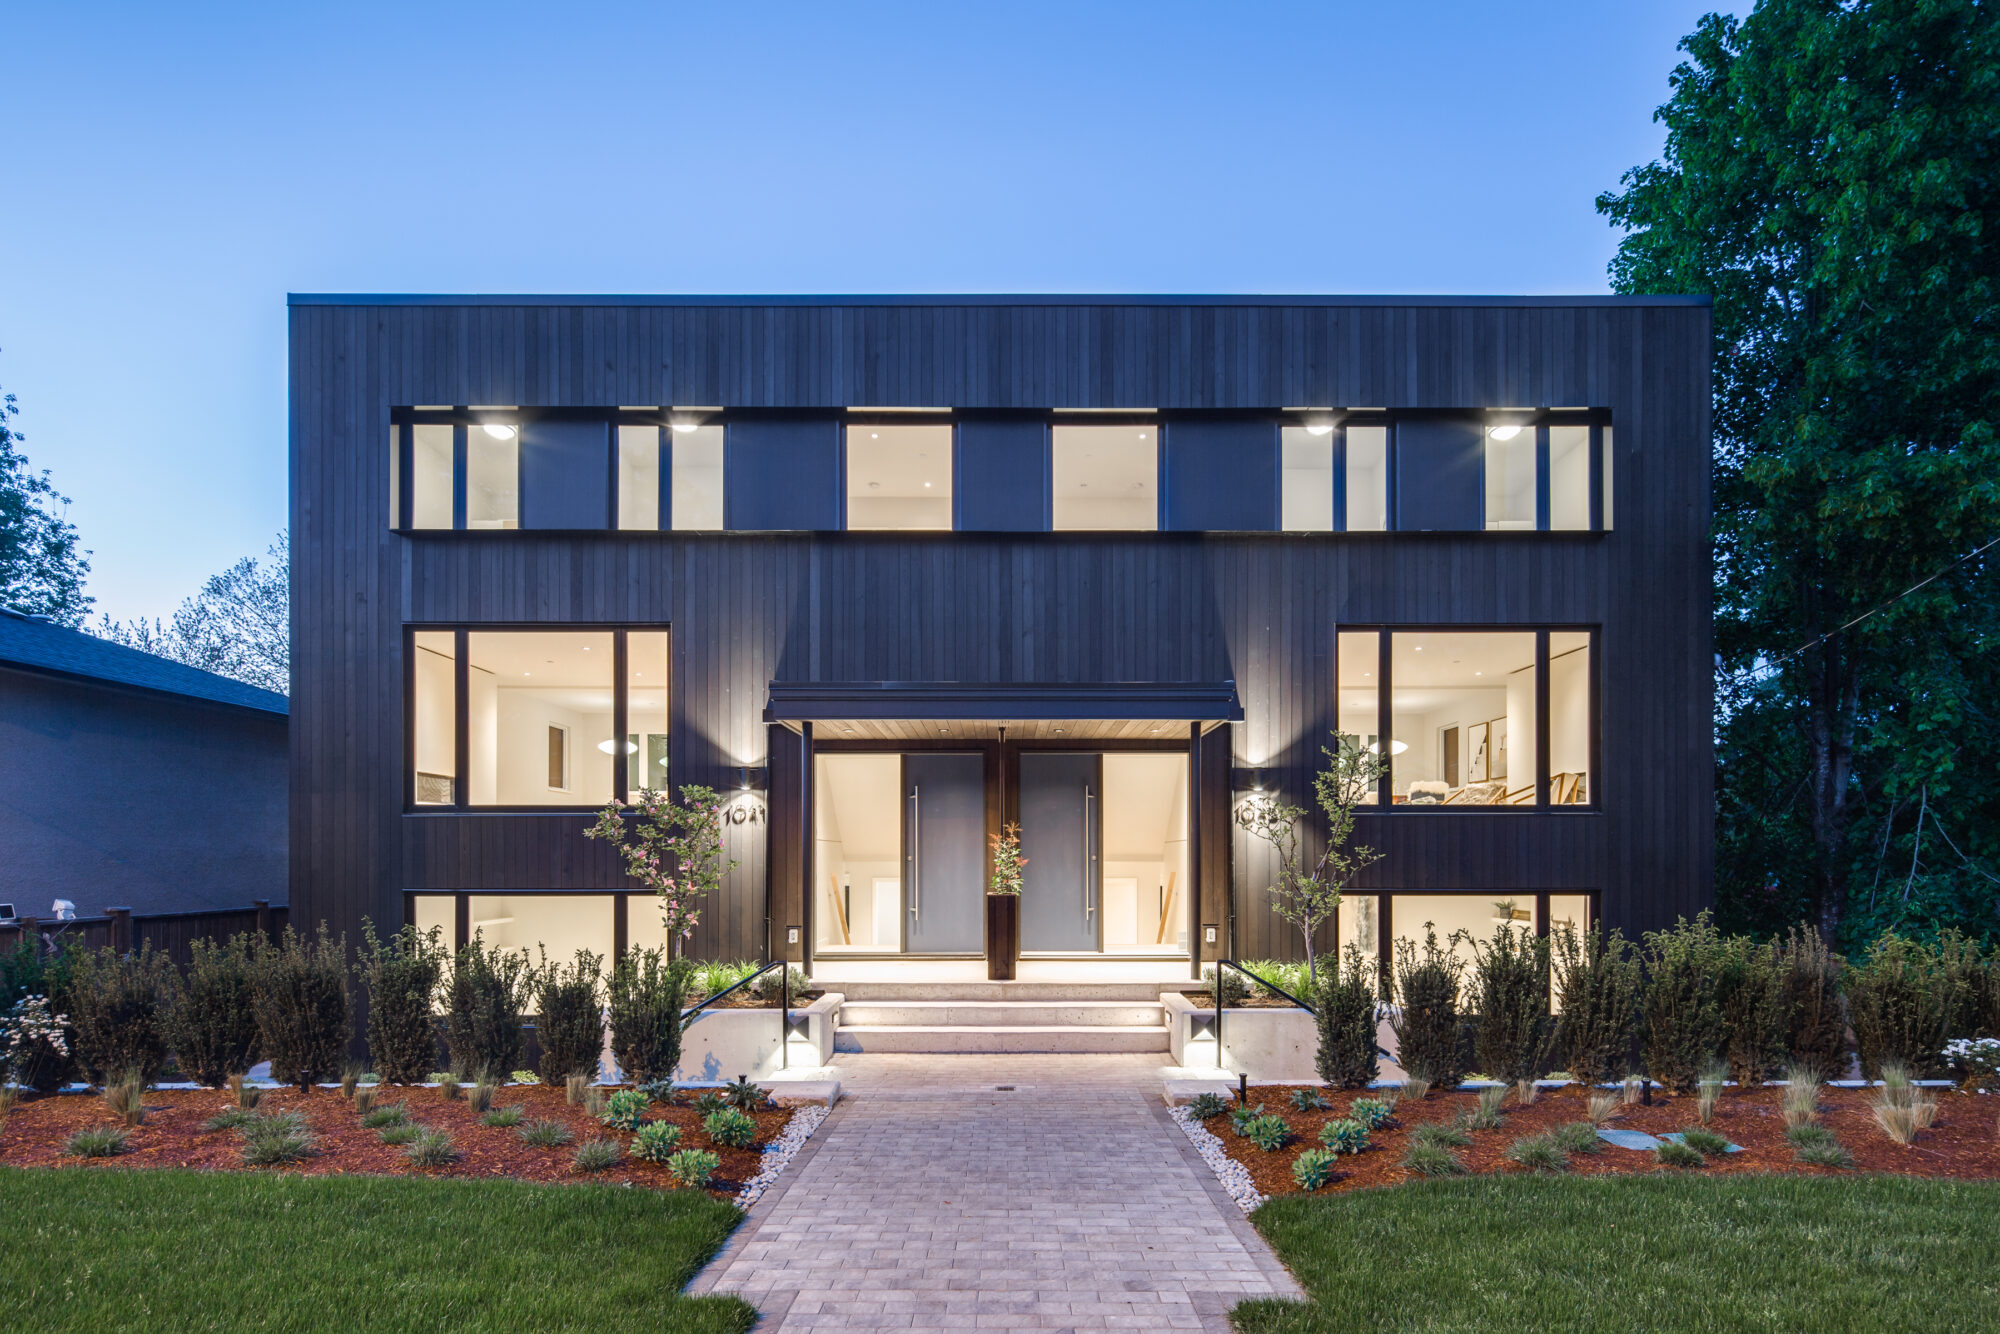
(1116, 707)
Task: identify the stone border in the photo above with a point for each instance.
(1232, 1177)
(781, 1151)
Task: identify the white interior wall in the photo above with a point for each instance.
(436, 746)
(858, 840)
(1569, 713)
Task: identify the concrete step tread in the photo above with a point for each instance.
(995, 1028)
(1001, 1005)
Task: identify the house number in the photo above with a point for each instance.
(744, 812)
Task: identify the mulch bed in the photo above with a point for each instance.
(1963, 1143)
(33, 1135)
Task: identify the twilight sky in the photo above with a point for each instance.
(172, 171)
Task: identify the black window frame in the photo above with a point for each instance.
(850, 419)
(1160, 424)
(620, 632)
(1385, 803)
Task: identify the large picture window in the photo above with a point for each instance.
(899, 476)
(1491, 719)
(1106, 478)
(536, 718)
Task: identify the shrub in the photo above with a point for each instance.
(1207, 1106)
(645, 1004)
(569, 1015)
(269, 1141)
(118, 1007)
(1576, 1137)
(363, 1101)
(1242, 1114)
(1307, 1100)
(1965, 978)
(403, 975)
(1897, 1000)
(1314, 1168)
(481, 1100)
(1752, 999)
(400, 1134)
(767, 988)
(36, 1040)
(1526, 1092)
(710, 1101)
(733, 1128)
(1345, 1135)
(97, 1142)
(1233, 988)
(713, 978)
(575, 1087)
(1539, 1153)
(395, 1114)
(1708, 1093)
(530, 1077)
(484, 999)
(1489, 1116)
(1901, 1109)
(596, 1155)
(503, 1117)
(1800, 1100)
(246, 1094)
(1604, 1106)
(126, 1095)
(1441, 1134)
(745, 1096)
(1815, 1015)
(1416, 1088)
(1509, 995)
(693, 1167)
(1427, 1029)
(1974, 1062)
(431, 1148)
(1433, 1160)
(545, 1134)
(449, 1088)
(1597, 979)
(1683, 1031)
(1704, 1141)
(593, 1102)
(300, 996)
(350, 1080)
(625, 1109)
(1343, 1001)
(1370, 1112)
(213, 1024)
(1672, 1153)
(656, 1141)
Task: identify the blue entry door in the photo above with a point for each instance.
(944, 854)
(1062, 832)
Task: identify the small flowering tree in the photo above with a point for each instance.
(27, 1026)
(673, 849)
(1007, 861)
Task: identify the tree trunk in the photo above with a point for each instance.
(1830, 714)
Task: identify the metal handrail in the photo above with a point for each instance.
(785, 1025)
(1221, 1005)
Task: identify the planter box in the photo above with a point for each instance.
(1268, 1044)
(722, 1044)
(1003, 936)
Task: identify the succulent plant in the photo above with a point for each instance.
(1269, 1133)
(625, 1109)
(745, 1096)
(728, 1126)
(1308, 1100)
(1313, 1168)
(1370, 1112)
(656, 1141)
(1344, 1136)
(693, 1167)
(1207, 1106)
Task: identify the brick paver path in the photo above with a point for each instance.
(932, 1200)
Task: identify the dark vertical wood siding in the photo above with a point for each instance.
(1441, 476)
(565, 474)
(747, 608)
(1002, 475)
(782, 473)
(1222, 476)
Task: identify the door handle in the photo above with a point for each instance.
(1089, 858)
(916, 853)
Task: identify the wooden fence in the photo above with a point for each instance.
(173, 933)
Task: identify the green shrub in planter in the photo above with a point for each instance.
(730, 1127)
(645, 998)
(767, 988)
(656, 1141)
(569, 1015)
(1598, 978)
(213, 1024)
(1427, 1028)
(1343, 1000)
(1308, 1100)
(1314, 1168)
(401, 1134)
(1207, 1106)
(503, 1117)
(119, 1010)
(625, 1109)
(1441, 1134)
(1344, 1136)
(1234, 989)
(1243, 1114)
(1269, 1133)
(694, 1167)
(380, 1118)
(1754, 1000)
(269, 1141)
(34, 987)
(1370, 1112)
(1704, 1141)
(402, 975)
(300, 996)
(485, 997)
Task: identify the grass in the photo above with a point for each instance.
(1760, 1253)
(110, 1249)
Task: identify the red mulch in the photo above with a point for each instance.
(33, 1134)
(1963, 1143)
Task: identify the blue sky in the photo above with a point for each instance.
(172, 171)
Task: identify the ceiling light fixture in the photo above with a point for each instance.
(610, 747)
(683, 427)
(499, 431)
(1507, 432)
(1319, 428)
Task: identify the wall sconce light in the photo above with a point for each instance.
(752, 777)
(1248, 778)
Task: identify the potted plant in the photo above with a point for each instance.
(1003, 905)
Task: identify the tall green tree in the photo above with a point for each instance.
(1831, 179)
(238, 625)
(41, 566)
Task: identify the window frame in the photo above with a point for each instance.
(851, 420)
(1158, 422)
(462, 910)
(1385, 803)
(461, 631)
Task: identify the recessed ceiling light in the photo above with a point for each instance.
(1059, 731)
(499, 431)
(1420, 648)
(927, 485)
(874, 436)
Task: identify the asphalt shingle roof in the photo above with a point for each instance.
(40, 645)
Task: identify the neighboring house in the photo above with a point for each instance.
(897, 571)
(130, 781)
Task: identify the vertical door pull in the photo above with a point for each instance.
(1089, 860)
(916, 853)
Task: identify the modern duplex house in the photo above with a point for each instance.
(895, 572)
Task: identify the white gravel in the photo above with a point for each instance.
(1235, 1178)
(780, 1151)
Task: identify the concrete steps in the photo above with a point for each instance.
(1001, 1017)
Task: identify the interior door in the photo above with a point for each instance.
(944, 854)
(1062, 805)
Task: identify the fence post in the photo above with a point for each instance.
(31, 932)
(263, 907)
(121, 929)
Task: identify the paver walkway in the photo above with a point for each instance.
(932, 1200)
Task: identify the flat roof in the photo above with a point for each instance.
(965, 299)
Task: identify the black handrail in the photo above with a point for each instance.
(784, 1006)
(707, 1001)
(1268, 986)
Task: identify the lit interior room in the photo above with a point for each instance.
(899, 477)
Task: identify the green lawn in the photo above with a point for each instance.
(1639, 1253)
(167, 1250)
